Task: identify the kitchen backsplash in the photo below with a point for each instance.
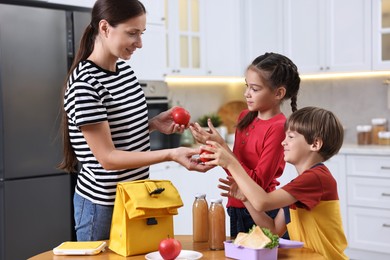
(354, 100)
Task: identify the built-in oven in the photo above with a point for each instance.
(156, 93)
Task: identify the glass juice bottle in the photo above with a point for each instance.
(200, 221)
(217, 232)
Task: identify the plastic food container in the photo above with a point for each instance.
(364, 134)
(384, 138)
(239, 252)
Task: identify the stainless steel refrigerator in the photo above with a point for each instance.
(36, 46)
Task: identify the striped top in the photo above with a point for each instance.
(95, 95)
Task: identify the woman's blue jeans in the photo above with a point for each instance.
(93, 221)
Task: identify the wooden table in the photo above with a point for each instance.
(186, 241)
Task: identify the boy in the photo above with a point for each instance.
(313, 135)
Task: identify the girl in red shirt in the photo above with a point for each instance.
(270, 79)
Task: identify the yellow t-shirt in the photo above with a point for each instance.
(315, 217)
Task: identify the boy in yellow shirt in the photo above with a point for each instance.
(313, 135)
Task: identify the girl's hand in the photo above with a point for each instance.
(231, 189)
(164, 123)
(217, 154)
(201, 135)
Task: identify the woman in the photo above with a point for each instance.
(105, 122)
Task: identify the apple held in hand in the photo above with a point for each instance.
(181, 116)
(202, 151)
(169, 248)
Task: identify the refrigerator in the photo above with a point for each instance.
(37, 43)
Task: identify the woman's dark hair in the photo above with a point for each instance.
(277, 71)
(114, 12)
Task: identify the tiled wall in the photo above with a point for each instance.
(354, 100)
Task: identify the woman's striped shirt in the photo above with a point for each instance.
(95, 95)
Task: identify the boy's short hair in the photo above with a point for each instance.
(314, 122)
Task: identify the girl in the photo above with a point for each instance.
(270, 79)
(105, 117)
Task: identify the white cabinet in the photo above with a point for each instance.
(188, 183)
(263, 30)
(185, 37)
(368, 185)
(328, 35)
(224, 38)
(381, 34)
(148, 62)
(155, 11)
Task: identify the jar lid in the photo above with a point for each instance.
(378, 121)
(363, 128)
(384, 134)
(200, 195)
(216, 200)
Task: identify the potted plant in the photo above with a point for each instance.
(216, 121)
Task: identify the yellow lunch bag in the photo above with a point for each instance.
(143, 216)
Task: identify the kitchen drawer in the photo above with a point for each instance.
(369, 229)
(367, 192)
(371, 166)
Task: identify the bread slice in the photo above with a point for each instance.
(255, 239)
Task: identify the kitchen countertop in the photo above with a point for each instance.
(187, 244)
(365, 149)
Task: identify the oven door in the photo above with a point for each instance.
(158, 140)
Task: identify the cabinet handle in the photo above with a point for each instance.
(385, 167)
(386, 225)
(385, 194)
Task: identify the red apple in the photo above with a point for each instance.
(169, 248)
(181, 116)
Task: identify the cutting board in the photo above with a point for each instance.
(229, 113)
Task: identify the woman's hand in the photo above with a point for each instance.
(231, 189)
(184, 156)
(164, 123)
(201, 135)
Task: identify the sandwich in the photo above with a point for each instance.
(257, 238)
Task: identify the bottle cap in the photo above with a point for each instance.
(378, 121)
(200, 195)
(363, 128)
(216, 200)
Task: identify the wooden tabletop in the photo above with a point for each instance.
(187, 244)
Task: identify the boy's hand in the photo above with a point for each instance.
(231, 189)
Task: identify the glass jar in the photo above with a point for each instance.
(384, 138)
(364, 134)
(200, 220)
(217, 232)
(378, 125)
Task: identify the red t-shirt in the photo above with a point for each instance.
(259, 150)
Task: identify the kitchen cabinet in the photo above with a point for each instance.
(381, 34)
(263, 30)
(155, 11)
(328, 35)
(188, 183)
(148, 62)
(224, 38)
(368, 186)
(185, 37)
